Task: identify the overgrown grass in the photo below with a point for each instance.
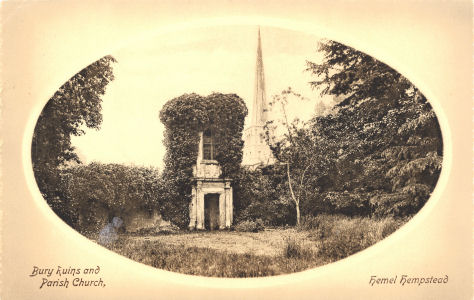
(250, 226)
(295, 249)
(321, 240)
(210, 262)
(341, 236)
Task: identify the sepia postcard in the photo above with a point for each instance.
(236, 150)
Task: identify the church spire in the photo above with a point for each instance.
(256, 150)
(259, 114)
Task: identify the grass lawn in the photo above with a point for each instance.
(319, 241)
(223, 253)
(270, 242)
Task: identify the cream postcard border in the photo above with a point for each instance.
(45, 43)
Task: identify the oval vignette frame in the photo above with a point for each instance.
(202, 281)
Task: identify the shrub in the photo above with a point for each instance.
(400, 204)
(390, 225)
(257, 195)
(335, 202)
(345, 236)
(295, 249)
(97, 192)
(321, 225)
(250, 226)
(309, 223)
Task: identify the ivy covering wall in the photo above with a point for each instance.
(184, 118)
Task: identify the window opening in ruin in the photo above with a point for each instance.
(208, 146)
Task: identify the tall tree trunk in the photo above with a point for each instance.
(297, 213)
(296, 200)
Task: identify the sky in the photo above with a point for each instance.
(150, 72)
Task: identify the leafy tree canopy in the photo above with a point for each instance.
(76, 103)
(383, 135)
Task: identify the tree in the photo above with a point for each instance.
(355, 75)
(383, 130)
(296, 151)
(76, 103)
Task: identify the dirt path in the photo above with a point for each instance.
(269, 242)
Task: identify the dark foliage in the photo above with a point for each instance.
(250, 226)
(258, 195)
(97, 192)
(381, 146)
(294, 249)
(76, 103)
(341, 236)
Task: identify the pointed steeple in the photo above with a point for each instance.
(256, 151)
(259, 114)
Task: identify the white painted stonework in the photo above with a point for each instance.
(211, 205)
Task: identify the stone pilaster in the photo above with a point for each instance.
(199, 206)
(231, 206)
(222, 210)
(193, 209)
(228, 204)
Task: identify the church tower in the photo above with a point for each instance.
(256, 150)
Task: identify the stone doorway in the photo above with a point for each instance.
(211, 211)
(211, 204)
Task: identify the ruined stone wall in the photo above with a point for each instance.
(142, 220)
